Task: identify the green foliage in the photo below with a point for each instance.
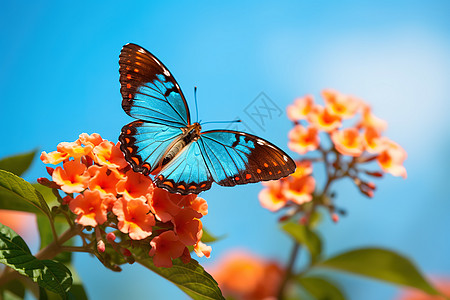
(191, 278)
(18, 194)
(48, 274)
(380, 264)
(17, 164)
(320, 289)
(304, 236)
(207, 237)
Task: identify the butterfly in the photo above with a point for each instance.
(163, 141)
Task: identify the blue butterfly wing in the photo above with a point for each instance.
(150, 94)
(234, 157)
(144, 144)
(149, 91)
(187, 173)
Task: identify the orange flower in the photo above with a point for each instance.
(103, 179)
(302, 140)
(339, 104)
(188, 226)
(108, 154)
(162, 205)
(323, 119)
(202, 249)
(299, 190)
(199, 204)
(273, 197)
(74, 149)
(391, 159)
(73, 177)
(135, 186)
(134, 218)
(245, 276)
(90, 207)
(165, 247)
(373, 141)
(300, 109)
(348, 141)
(92, 140)
(370, 120)
(54, 157)
(304, 168)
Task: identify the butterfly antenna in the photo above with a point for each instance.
(234, 121)
(196, 105)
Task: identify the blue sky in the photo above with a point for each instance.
(59, 78)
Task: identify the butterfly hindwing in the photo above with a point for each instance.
(145, 143)
(187, 173)
(149, 91)
(238, 158)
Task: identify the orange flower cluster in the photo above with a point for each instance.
(297, 188)
(345, 136)
(364, 137)
(110, 194)
(244, 276)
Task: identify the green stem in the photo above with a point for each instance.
(288, 270)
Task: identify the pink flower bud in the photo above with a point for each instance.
(45, 182)
(101, 246)
(335, 217)
(50, 170)
(375, 173)
(66, 200)
(125, 252)
(111, 237)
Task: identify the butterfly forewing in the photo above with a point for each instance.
(149, 91)
(239, 158)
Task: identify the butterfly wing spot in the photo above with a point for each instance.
(128, 86)
(168, 183)
(136, 160)
(258, 171)
(237, 178)
(266, 165)
(203, 185)
(128, 76)
(192, 187)
(279, 171)
(248, 176)
(136, 70)
(275, 163)
(181, 187)
(270, 173)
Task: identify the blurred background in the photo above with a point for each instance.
(59, 78)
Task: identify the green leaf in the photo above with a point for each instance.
(17, 164)
(380, 264)
(191, 278)
(320, 288)
(18, 194)
(48, 274)
(207, 237)
(306, 237)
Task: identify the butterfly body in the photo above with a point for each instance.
(163, 142)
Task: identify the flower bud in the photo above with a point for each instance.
(111, 237)
(335, 217)
(101, 246)
(45, 182)
(50, 170)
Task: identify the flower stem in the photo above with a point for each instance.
(288, 271)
